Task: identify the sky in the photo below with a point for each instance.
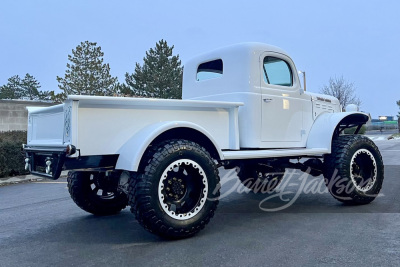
(358, 39)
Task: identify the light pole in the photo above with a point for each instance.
(304, 78)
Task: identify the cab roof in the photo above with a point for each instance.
(237, 49)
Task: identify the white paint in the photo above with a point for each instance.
(45, 126)
(284, 121)
(235, 111)
(274, 153)
(132, 150)
(352, 108)
(323, 128)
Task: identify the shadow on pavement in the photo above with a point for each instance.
(124, 231)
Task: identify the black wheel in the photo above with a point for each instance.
(354, 170)
(175, 193)
(260, 177)
(95, 193)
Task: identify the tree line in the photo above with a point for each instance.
(160, 76)
(26, 88)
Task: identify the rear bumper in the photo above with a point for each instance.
(45, 161)
(50, 161)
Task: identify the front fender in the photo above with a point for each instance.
(131, 153)
(324, 126)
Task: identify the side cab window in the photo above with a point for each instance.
(277, 72)
(210, 70)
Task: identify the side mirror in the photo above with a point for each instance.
(304, 79)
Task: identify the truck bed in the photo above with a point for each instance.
(102, 125)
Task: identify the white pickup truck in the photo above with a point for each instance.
(243, 107)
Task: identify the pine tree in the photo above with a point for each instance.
(26, 89)
(57, 98)
(121, 89)
(86, 73)
(30, 88)
(11, 90)
(160, 76)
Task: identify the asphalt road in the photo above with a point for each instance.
(41, 226)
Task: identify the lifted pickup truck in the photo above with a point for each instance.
(243, 108)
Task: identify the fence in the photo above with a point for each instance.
(383, 125)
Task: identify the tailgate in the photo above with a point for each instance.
(46, 126)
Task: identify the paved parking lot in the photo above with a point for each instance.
(41, 226)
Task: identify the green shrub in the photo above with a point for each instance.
(11, 156)
(353, 129)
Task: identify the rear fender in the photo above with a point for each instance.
(131, 153)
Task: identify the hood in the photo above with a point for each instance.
(323, 98)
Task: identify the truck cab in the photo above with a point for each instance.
(277, 112)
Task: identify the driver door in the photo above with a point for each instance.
(282, 116)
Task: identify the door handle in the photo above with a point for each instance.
(267, 100)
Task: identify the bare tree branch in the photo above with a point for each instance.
(342, 90)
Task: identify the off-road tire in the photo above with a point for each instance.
(353, 159)
(247, 175)
(154, 213)
(83, 193)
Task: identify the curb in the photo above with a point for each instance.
(377, 137)
(26, 179)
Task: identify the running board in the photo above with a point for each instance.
(274, 153)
